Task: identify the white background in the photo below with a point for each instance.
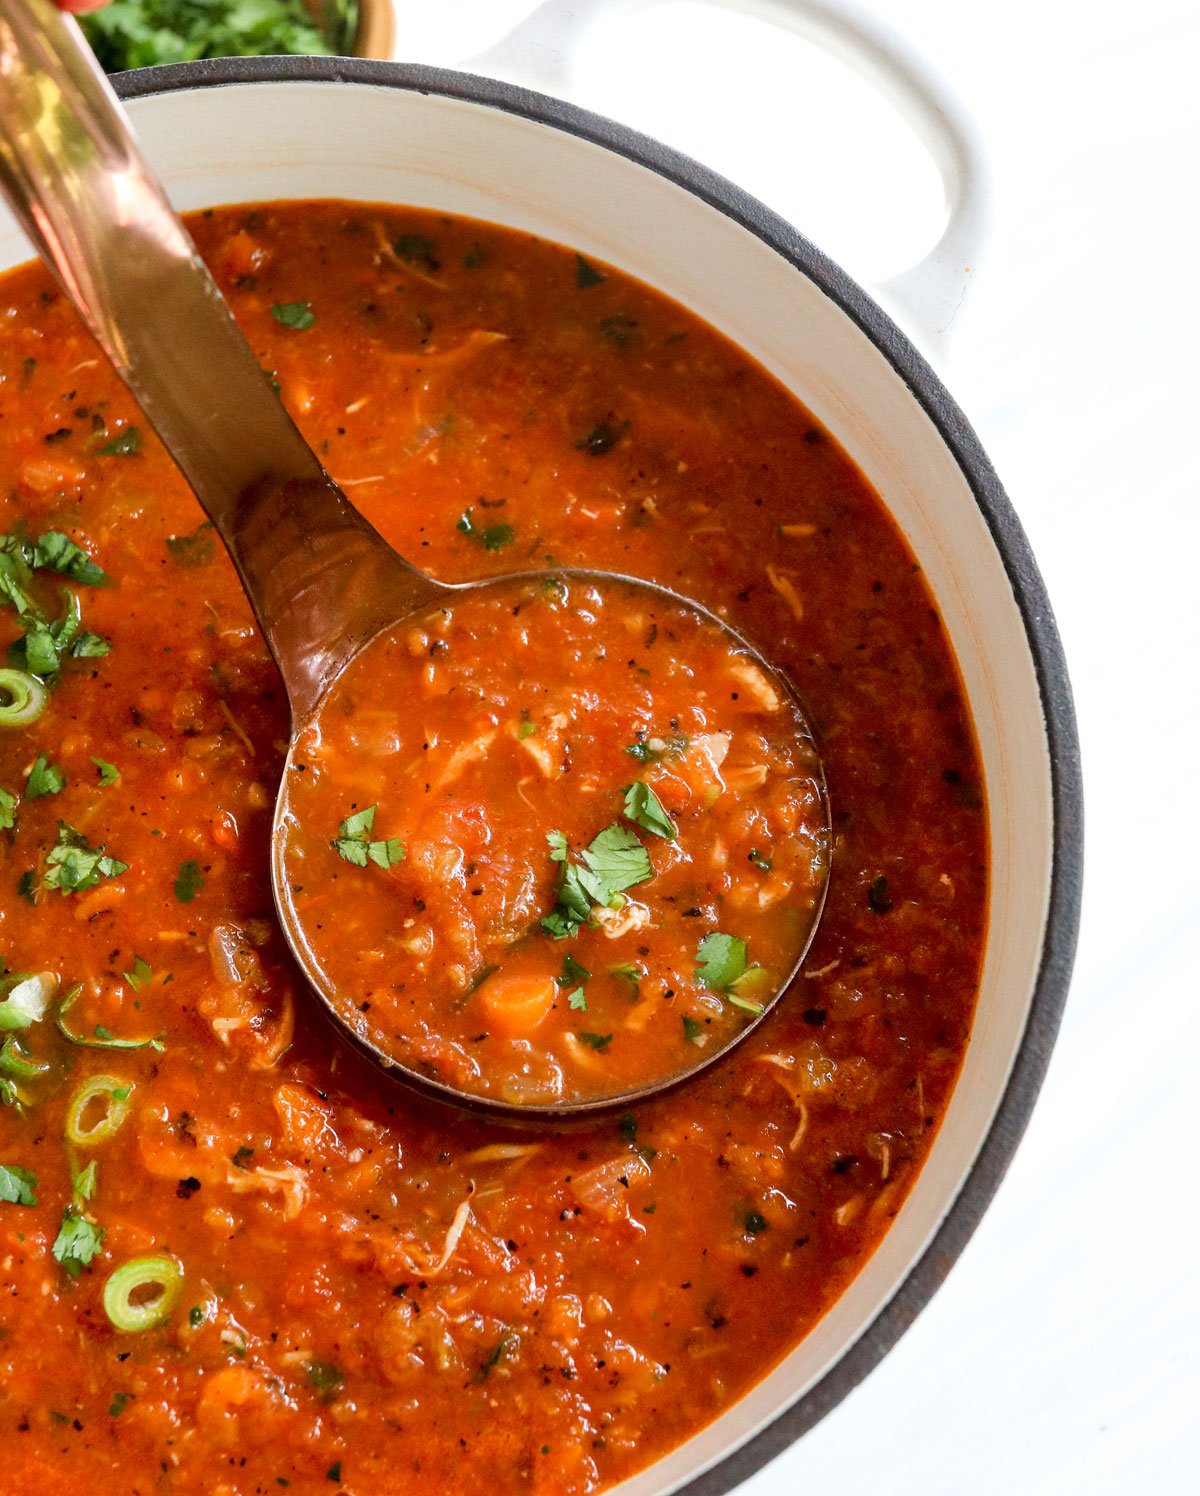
(1063, 1354)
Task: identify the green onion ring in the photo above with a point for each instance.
(14, 1062)
(100, 1086)
(27, 698)
(163, 1273)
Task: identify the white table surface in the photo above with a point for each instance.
(1063, 1354)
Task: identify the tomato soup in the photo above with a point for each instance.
(235, 1257)
(613, 842)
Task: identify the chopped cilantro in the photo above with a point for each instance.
(334, 1472)
(120, 1401)
(596, 1041)
(45, 644)
(84, 1183)
(126, 443)
(586, 274)
(8, 810)
(878, 898)
(474, 258)
(27, 886)
(109, 773)
(297, 315)
(759, 861)
(614, 861)
(45, 778)
(722, 960)
(196, 1316)
(754, 1223)
(628, 1128)
(618, 329)
(140, 975)
(195, 549)
(643, 807)
(631, 973)
(17, 1186)
(77, 1242)
(491, 537)
(577, 1000)
(74, 864)
(651, 750)
(55, 551)
(138, 33)
(417, 249)
(326, 1378)
(692, 1029)
(495, 1356)
(354, 845)
(572, 972)
(188, 881)
(525, 729)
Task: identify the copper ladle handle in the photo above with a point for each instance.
(320, 578)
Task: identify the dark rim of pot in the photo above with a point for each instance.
(1050, 990)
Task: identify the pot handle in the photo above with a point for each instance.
(539, 53)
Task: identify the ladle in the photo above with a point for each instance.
(323, 583)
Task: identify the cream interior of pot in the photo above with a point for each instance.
(241, 143)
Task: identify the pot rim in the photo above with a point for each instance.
(1062, 916)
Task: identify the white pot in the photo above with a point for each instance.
(241, 131)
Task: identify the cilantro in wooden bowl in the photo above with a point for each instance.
(139, 33)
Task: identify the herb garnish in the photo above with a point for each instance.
(297, 315)
(722, 960)
(692, 1029)
(353, 842)
(326, 1378)
(101, 1039)
(601, 439)
(596, 1041)
(126, 443)
(55, 551)
(417, 249)
(8, 809)
(759, 861)
(17, 1185)
(74, 864)
(83, 1185)
(615, 861)
(139, 33)
(643, 807)
(491, 537)
(189, 881)
(140, 975)
(577, 1000)
(195, 549)
(878, 898)
(587, 275)
(109, 773)
(45, 778)
(651, 750)
(77, 1242)
(572, 972)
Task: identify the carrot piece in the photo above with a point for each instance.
(517, 1003)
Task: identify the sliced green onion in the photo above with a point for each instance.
(103, 1039)
(23, 698)
(14, 1061)
(142, 1293)
(744, 1004)
(25, 998)
(113, 1096)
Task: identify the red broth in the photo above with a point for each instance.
(354, 1293)
(555, 840)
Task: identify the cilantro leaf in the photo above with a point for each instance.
(325, 1378)
(586, 274)
(140, 975)
(572, 972)
(109, 773)
(17, 1186)
(125, 444)
(84, 1183)
(722, 960)
(189, 881)
(643, 807)
(577, 1000)
(756, 857)
(195, 549)
(74, 864)
(614, 861)
(618, 860)
(692, 1029)
(77, 1242)
(297, 315)
(491, 537)
(417, 249)
(596, 1041)
(354, 845)
(8, 810)
(45, 778)
(58, 552)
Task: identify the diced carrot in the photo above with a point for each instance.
(517, 1003)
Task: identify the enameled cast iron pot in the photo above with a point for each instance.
(240, 131)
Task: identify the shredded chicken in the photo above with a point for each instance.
(289, 1180)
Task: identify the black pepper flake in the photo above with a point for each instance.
(186, 1188)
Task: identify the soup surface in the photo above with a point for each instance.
(619, 835)
(234, 1258)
